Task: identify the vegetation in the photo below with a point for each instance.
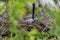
(18, 9)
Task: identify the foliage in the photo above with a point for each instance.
(2, 8)
(16, 9)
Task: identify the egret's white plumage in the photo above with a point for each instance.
(58, 2)
(49, 3)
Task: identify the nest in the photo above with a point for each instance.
(38, 25)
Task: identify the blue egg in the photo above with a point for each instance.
(29, 20)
